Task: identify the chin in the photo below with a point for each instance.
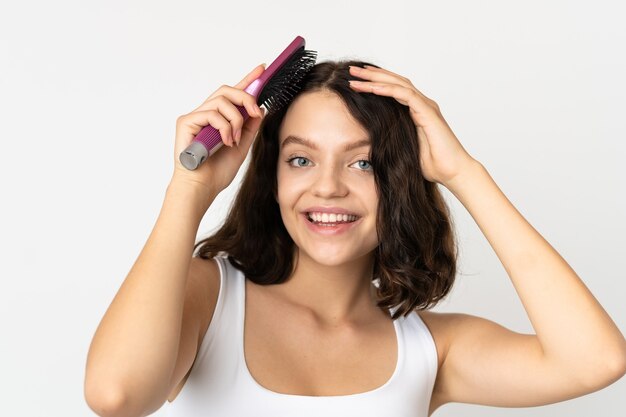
(331, 255)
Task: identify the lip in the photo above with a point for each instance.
(321, 209)
(329, 230)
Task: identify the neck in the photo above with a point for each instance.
(333, 294)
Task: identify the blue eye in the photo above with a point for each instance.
(298, 160)
(365, 165)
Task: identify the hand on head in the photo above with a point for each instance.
(442, 157)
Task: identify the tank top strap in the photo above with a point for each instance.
(421, 359)
(217, 355)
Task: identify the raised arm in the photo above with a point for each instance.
(134, 351)
(577, 348)
(148, 333)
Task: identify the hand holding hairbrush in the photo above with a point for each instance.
(274, 88)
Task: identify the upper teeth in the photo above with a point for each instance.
(332, 217)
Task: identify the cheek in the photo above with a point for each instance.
(370, 194)
(290, 183)
(288, 191)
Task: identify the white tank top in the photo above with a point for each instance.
(220, 384)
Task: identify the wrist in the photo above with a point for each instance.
(192, 187)
(198, 196)
(470, 170)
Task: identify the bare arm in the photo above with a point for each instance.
(134, 350)
(134, 357)
(577, 348)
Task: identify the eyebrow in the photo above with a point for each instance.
(292, 139)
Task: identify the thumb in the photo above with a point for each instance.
(253, 75)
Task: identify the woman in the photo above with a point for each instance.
(335, 248)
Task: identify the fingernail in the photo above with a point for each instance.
(237, 136)
(258, 110)
(356, 69)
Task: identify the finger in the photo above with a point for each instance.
(253, 75)
(247, 80)
(230, 113)
(386, 71)
(236, 96)
(379, 75)
(250, 129)
(192, 123)
(421, 109)
(375, 74)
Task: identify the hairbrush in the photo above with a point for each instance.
(274, 89)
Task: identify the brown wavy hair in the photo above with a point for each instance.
(415, 260)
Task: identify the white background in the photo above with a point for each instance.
(89, 96)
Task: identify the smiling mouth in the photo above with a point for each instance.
(330, 220)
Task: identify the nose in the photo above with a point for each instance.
(329, 183)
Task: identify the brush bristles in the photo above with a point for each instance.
(283, 86)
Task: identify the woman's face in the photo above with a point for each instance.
(324, 171)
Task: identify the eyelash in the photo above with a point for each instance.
(302, 157)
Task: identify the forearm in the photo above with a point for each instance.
(571, 326)
(134, 349)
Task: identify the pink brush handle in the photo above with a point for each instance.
(205, 144)
(210, 136)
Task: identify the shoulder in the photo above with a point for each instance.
(442, 327)
(439, 325)
(202, 288)
(204, 285)
(447, 327)
(202, 293)
(207, 268)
